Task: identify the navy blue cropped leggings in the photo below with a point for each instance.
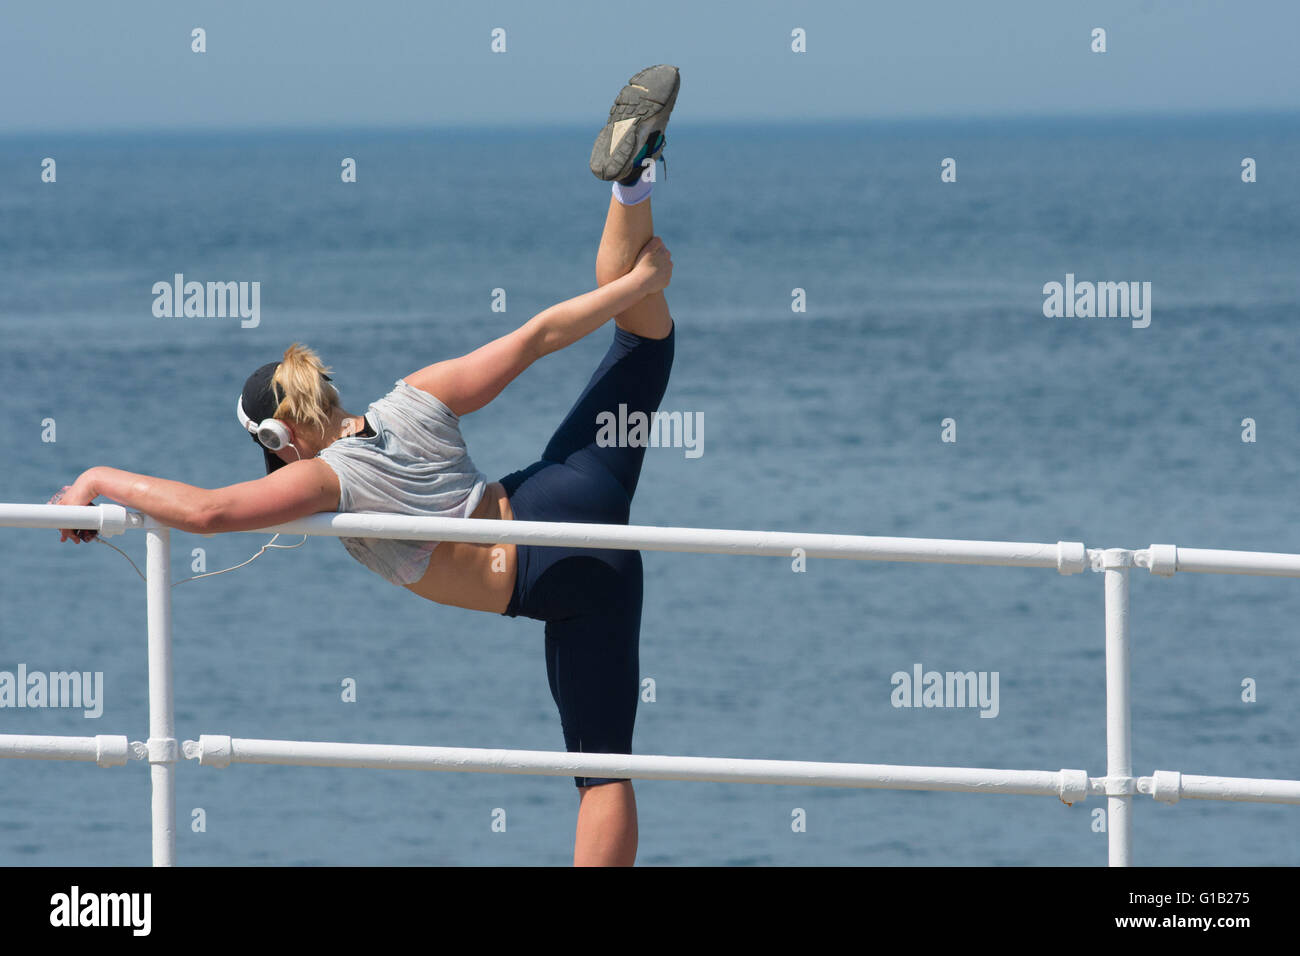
(590, 598)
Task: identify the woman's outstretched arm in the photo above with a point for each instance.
(468, 383)
(294, 491)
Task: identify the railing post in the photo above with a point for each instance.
(1120, 785)
(162, 729)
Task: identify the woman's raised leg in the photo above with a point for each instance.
(627, 230)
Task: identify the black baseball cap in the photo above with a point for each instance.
(258, 402)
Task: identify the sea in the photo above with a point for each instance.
(865, 333)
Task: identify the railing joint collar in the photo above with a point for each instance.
(1074, 786)
(210, 750)
(1120, 786)
(111, 751)
(1110, 559)
(1159, 559)
(1071, 557)
(161, 749)
(1165, 786)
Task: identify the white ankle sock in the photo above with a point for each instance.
(639, 191)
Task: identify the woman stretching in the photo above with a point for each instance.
(405, 455)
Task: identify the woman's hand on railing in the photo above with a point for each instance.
(76, 494)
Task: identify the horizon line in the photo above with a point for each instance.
(688, 123)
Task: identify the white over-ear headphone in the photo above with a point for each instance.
(271, 433)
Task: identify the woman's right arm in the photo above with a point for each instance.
(563, 324)
(468, 383)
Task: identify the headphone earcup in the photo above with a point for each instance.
(273, 434)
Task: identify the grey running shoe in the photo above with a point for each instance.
(640, 111)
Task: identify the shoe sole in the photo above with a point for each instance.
(641, 107)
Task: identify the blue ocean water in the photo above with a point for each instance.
(924, 302)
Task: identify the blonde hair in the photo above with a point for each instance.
(308, 398)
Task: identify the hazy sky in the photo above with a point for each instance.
(92, 64)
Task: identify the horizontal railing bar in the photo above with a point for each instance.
(51, 516)
(217, 750)
(106, 750)
(34, 747)
(220, 751)
(608, 536)
(1208, 561)
(690, 540)
(1061, 555)
(1242, 789)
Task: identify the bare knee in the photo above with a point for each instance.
(622, 785)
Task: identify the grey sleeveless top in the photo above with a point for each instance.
(415, 464)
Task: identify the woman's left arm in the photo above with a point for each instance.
(468, 383)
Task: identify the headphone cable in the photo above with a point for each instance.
(206, 574)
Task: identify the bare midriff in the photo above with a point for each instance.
(480, 577)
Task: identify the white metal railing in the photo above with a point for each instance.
(1119, 786)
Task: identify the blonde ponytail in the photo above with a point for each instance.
(308, 398)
